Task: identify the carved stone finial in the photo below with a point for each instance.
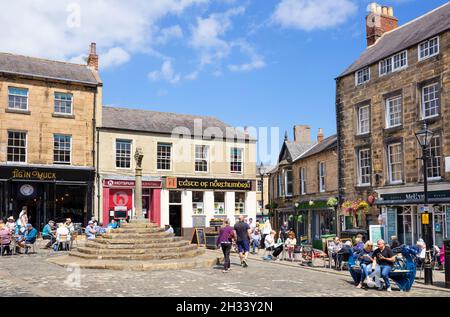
(138, 156)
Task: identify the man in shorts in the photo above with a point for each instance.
(242, 232)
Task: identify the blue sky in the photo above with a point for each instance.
(261, 63)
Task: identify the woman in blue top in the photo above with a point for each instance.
(366, 261)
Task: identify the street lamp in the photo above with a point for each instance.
(424, 137)
(261, 174)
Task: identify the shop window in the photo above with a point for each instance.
(239, 203)
(17, 146)
(219, 203)
(197, 203)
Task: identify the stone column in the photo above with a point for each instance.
(138, 215)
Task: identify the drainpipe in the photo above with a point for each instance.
(94, 125)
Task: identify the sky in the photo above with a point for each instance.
(255, 63)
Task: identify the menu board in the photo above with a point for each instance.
(391, 223)
(376, 233)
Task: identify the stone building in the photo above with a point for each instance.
(195, 168)
(48, 112)
(399, 82)
(303, 182)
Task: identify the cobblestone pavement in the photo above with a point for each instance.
(31, 275)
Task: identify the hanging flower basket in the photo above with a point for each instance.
(332, 202)
(347, 207)
(362, 206)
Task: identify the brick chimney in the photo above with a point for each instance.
(302, 133)
(379, 21)
(92, 61)
(320, 136)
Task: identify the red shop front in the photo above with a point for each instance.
(118, 199)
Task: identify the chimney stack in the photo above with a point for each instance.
(320, 136)
(302, 133)
(92, 61)
(379, 21)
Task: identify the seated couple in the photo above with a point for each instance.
(375, 264)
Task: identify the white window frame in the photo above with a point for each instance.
(131, 153)
(171, 155)
(71, 103)
(28, 95)
(321, 172)
(303, 180)
(359, 119)
(430, 159)
(26, 146)
(361, 167)
(388, 111)
(258, 186)
(196, 159)
(437, 101)
(428, 49)
(280, 185)
(70, 149)
(357, 82)
(286, 182)
(382, 70)
(390, 163)
(237, 161)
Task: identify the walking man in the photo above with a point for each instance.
(243, 232)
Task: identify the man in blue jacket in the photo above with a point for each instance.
(29, 237)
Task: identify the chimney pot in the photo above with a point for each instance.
(384, 11)
(92, 61)
(391, 11)
(320, 135)
(379, 22)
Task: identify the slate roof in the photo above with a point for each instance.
(297, 148)
(326, 144)
(163, 122)
(46, 69)
(403, 37)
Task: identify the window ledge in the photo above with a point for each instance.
(431, 119)
(363, 186)
(25, 112)
(393, 129)
(363, 136)
(395, 184)
(61, 115)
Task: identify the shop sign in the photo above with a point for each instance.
(416, 196)
(213, 184)
(120, 201)
(45, 174)
(126, 183)
(447, 217)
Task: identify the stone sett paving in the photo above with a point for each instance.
(31, 275)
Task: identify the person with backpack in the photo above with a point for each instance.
(225, 241)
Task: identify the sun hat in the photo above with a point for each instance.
(90, 222)
(11, 218)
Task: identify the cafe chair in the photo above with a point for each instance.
(63, 243)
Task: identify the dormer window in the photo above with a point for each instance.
(428, 48)
(362, 76)
(393, 63)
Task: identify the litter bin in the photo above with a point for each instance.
(447, 262)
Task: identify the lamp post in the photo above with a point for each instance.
(424, 137)
(261, 174)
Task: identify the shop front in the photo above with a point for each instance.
(118, 199)
(401, 214)
(49, 193)
(188, 203)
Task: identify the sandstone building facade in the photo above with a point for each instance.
(400, 82)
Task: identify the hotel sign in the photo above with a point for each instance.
(211, 184)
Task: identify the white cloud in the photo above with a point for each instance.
(63, 29)
(256, 60)
(309, 15)
(166, 73)
(192, 76)
(167, 34)
(207, 35)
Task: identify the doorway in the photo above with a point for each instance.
(175, 218)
